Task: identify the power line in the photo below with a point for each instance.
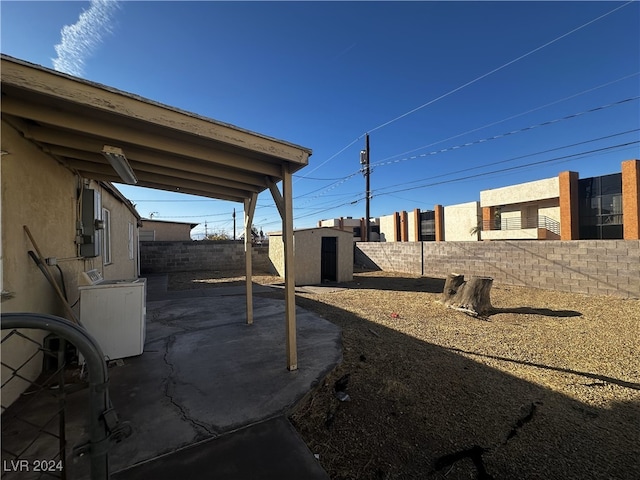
(474, 81)
(561, 159)
(550, 122)
(557, 159)
(515, 116)
(496, 69)
(354, 202)
(333, 156)
(520, 157)
(513, 132)
(320, 206)
(327, 188)
(380, 191)
(316, 178)
(334, 185)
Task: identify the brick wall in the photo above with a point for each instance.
(580, 266)
(163, 257)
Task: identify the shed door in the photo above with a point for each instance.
(329, 259)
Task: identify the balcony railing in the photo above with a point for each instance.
(519, 223)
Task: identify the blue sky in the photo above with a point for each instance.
(432, 82)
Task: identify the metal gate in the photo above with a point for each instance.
(34, 443)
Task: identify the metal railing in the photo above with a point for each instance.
(104, 426)
(519, 223)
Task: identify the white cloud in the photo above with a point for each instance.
(81, 39)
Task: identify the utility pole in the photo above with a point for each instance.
(366, 170)
(234, 223)
(206, 232)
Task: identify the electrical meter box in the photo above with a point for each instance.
(91, 223)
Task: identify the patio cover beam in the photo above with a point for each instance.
(71, 120)
(187, 180)
(249, 210)
(121, 134)
(143, 159)
(47, 87)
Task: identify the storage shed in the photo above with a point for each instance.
(322, 254)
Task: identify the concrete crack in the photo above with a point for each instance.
(198, 426)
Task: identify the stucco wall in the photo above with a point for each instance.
(521, 193)
(124, 264)
(276, 252)
(459, 220)
(167, 231)
(513, 234)
(347, 223)
(412, 233)
(579, 266)
(39, 192)
(307, 257)
(551, 211)
(308, 251)
(387, 228)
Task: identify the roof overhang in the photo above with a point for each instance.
(169, 149)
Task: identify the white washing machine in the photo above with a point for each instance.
(114, 313)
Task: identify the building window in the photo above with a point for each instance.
(428, 226)
(106, 237)
(600, 207)
(130, 242)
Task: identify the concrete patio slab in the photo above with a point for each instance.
(264, 451)
(206, 374)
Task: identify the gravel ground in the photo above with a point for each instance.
(547, 387)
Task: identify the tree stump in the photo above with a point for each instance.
(451, 286)
(472, 297)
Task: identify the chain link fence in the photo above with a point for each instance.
(37, 379)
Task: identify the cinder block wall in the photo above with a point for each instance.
(164, 257)
(390, 256)
(580, 266)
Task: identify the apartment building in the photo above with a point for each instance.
(565, 207)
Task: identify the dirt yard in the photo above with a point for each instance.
(547, 387)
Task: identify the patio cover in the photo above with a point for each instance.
(169, 149)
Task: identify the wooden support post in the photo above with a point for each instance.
(289, 269)
(249, 209)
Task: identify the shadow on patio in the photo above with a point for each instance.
(210, 394)
(208, 373)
